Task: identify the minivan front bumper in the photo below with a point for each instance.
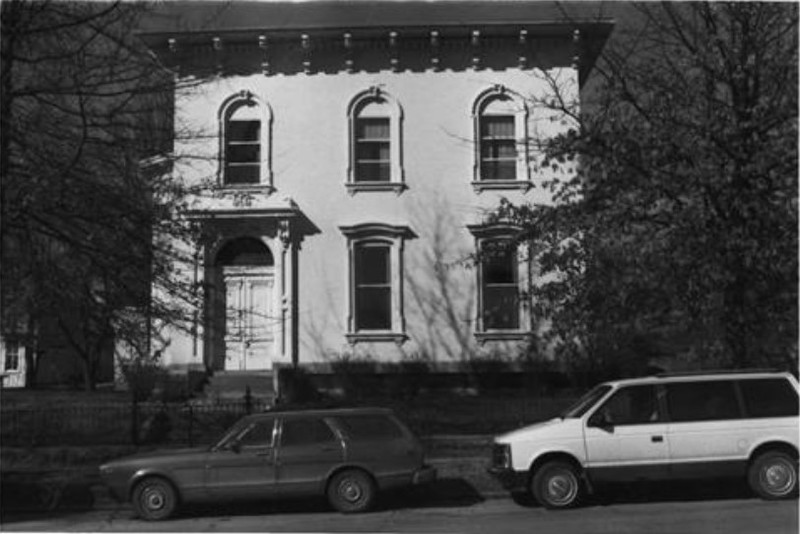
(511, 480)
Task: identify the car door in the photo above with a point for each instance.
(309, 450)
(244, 466)
(626, 436)
(706, 432)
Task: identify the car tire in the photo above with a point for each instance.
(351, 491)
(154, 499)
(773, 475)
(557, 485)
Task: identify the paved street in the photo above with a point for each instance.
(730, 516)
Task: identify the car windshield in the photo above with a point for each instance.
(588, 400)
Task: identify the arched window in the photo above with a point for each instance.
(245, 156)
(501, 154)
(375, 142)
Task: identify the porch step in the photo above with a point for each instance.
(233, 385)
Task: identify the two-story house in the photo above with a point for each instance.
(348, 154)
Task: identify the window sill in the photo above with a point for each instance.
(502, 335)
(245, 188)
(483, 185)
(376, 337)
(356, 187)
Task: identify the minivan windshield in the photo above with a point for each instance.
(588, 400)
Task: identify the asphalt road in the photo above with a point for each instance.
(494, 516)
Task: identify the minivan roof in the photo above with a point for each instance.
(696, 376)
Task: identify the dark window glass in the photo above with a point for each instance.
(259, 434)
(373, 154)
(702, 401)
(12, 356)
(370, 427)
(500, 286)
(769, 397)
(498, 147)
(633, 405)
(242, 152)
(297, 432)
(373, 289)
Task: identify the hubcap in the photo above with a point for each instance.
(562, 487)
(350, 490)
(154, 499)
(778, 478)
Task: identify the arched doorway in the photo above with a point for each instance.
(246, 305)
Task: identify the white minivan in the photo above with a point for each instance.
(668, 426)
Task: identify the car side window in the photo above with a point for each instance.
(258, 434)
(702, 401)
(769, 397)
(370, 427)
(632, 405)
(305, 431)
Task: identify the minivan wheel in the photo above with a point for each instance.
(556, 485)
(773, 475)
(351, 491)
(154, 499)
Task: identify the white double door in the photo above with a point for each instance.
(250, 318)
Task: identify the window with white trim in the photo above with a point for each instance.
(12, 353)
(501, 153)
(375, 282)
(503, 279)
(245, 142)
(375, 143)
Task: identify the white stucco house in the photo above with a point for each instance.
(348, 154)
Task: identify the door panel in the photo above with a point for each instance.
(309, 451)
(249, 320)
(245, 465)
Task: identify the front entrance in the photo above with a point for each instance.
(249, 319)
(246, 312)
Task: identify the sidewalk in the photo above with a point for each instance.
(461, 463)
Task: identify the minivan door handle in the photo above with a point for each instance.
(656, 439)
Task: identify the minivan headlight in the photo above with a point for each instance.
(501, 455)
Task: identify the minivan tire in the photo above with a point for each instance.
(154, 499)
(557, 485)
(773, 475)
(351, 491)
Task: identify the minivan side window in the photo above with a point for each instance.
(632, 405)
(370, 427)
(769, 397)
(311, 431)
(702, 401)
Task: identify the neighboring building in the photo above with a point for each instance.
(350, 152)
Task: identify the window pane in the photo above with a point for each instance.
(499, 263)
(372, 265)
(243, 154)
(491, 150)
(769, 397)
(377, 128)
(702, 401)
(497, 127)
(242, 174)
(12, 356)
(372, 172)
(299, 432)
(500, 308)
(374, 308)
(244, 131)
(370, 427)
(373, 151)
(635, 405)
(258, 434)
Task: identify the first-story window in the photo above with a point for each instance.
(11, 356)
(500, 286)
(373, 286)
(375, 266)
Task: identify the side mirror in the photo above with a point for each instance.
(601, 420)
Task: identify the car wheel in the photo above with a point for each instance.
(773, 475)
(154, 499)
(556, 485)
(351, 491)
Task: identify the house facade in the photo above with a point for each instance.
(345, 157)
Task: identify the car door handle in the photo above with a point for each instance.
(657, 439)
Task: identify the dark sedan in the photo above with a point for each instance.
(347, 455)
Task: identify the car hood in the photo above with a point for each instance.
(151, 458)
(553, 428)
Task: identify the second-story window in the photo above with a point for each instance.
(498, 146)
(373, 150)
(245, 155)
